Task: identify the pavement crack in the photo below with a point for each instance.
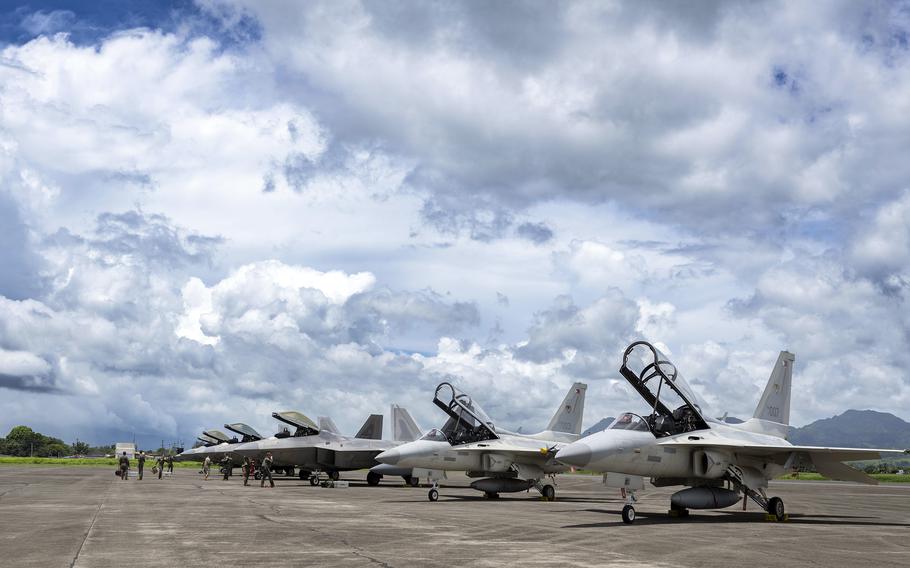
(92, 526)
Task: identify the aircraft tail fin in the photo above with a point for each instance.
(569, 415)
(371, 429)
(774, 405)
(404, 429)
(326, 423)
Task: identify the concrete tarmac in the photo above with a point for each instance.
(87, 517)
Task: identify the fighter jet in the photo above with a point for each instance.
(317, 451)
(505, 461)
(680, 444)
(215, 443)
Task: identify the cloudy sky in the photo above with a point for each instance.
(213, 210)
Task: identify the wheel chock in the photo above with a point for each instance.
(773, 518)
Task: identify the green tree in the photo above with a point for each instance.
(21, 441)
(80, 448)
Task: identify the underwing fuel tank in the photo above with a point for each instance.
(508, 485)
(704, 498)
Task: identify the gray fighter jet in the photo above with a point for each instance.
(680, 443)
(215, 443)
(506, 462)
(316, 451)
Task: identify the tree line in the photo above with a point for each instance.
(23, 441)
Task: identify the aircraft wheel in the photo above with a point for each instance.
(411, 480)
(628, 514)
(289, 471)
(373, 478)
(433, 495)
(549, 493)
(257, 475)
(776, 508)
(333, 475)
(314, 480)
(491, 495)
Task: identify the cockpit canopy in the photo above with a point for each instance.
(435, 435)
(676, 408)
(629, 421)
(467, 421)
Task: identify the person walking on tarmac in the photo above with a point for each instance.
(245, 468)
(266, 470)
(226, 466)
(140, 464)
(124, 467)
(170, 464)
(206, 466)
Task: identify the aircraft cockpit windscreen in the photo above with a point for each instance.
(467, 421)
(435, 435)
(676, 407)
(629, 421)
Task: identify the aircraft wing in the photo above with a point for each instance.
(827, 460)
(538, 450)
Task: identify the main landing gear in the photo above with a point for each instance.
(373, 478)
(433, 494)
(776, 508)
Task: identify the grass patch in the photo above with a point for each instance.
(91, 462)
(885, 477)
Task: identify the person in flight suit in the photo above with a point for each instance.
(226, 466)
(170, 464)
(124, 467)
(140, 464)
(266, 469)
(159, 464)
(246, 467)
(206, 467)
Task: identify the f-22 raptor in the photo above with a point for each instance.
(679, 443)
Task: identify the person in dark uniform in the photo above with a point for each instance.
(226, 465)
(124, 467)
(159, 463)
(170, 464)
(245, 468)
(266, 470)
(140, 463)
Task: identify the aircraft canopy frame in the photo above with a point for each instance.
(467, 420)
(246, 432)
(305, 426)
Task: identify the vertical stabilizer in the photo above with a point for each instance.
(774, 405)
(570, 413)
(327, 424)
(372, 428)
(404, 429)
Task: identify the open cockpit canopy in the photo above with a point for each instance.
(207, 440)
(246, 432)
(219, 436)
(467, 421)
(675, 408)
(629, 421)
(304, 426)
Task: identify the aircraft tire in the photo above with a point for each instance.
(776, 508)
(628, 514)
(411, 480)
(257, 476)
(549, 493)
(333, 475)
(373, 478)
(433, 495)
(314, 480)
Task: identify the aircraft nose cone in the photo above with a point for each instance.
(389, 457)
(577, 454)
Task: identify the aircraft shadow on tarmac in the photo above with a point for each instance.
(726, 517)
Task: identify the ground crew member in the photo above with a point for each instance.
(206, 466)
(140, 461)
(245, 468)
(170, 464)
(159, 463)
(226, 465)
(266, 470)
(124, 467)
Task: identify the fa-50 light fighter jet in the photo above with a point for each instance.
(316, 450)
(505, 461)
(679, 443)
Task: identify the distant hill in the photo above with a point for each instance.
(601, 425)
(857, 429)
